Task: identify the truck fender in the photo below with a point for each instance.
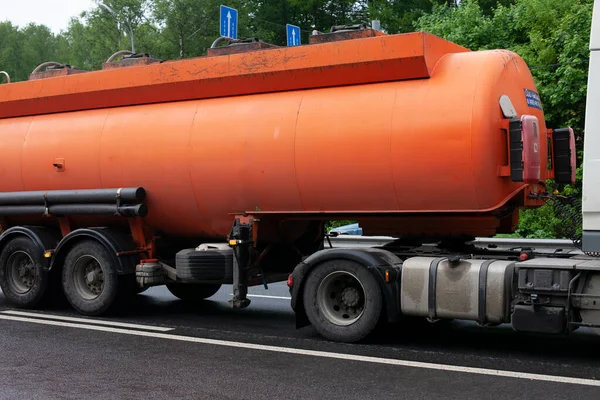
(375, 260)
(114, 242)
(44, 238)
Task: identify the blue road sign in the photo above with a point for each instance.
(293, 35)
(229, 22)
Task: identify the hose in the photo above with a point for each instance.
(7, 76)
(219, 40)
(233, 41)
(119, 53)
(46, 64)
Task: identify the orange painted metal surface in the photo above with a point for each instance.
(405, 147)
(378, 59)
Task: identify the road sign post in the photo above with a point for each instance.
(293, 35)
(229, 22)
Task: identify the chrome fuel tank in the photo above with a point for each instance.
(477, 290)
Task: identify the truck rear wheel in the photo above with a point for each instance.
(89, 278)
(23, 278)
(342, 301)
(193, 292)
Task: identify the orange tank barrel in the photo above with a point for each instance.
(377, 59)
(404, 131)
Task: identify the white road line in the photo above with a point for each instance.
(264, 296)
(323, 354)
(88, 321)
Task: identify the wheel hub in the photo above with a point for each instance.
(350, 297)
(20, 272)
(339, 298)
(26, 273)
(89, 277)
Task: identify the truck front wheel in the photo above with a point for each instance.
(89, 278)
(342, 301)
(23, 278)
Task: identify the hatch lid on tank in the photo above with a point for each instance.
(237, 46)
(349, 62)
(52, 69)
(128, 59)
(344, 32)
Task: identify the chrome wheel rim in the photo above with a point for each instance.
(341, 298)
(20, 272)
(88, 277)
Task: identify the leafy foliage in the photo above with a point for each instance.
(551, 35)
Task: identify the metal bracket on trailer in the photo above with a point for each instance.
(241, 239)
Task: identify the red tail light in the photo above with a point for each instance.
(525, 165)
(290, 281)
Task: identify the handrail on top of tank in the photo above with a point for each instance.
(119, 53)
(219, 40)
(229, 40)
(233, 41)
(6, 75)
(46, 64)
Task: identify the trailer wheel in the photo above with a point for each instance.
(193, 292)
(343, 301)
(23, 278)
(90, 281)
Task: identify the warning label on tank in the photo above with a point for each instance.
(533, 99)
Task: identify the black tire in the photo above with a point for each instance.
(95, 297)
(23, 279)
(211, 265)
(336, 324)
(193, 292)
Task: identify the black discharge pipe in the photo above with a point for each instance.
(138, 210)
(70, 197)
(6, 211)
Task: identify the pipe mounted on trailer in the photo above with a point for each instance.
(236, 159)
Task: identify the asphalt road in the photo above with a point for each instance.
(174, 351)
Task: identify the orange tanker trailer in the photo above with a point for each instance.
(248, 150)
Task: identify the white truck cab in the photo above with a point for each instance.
(591, 153)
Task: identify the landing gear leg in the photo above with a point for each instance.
(240, 239)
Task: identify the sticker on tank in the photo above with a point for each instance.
(533, 99)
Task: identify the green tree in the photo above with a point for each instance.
(10, 51)
(397, 16)
(191, 26)
(270, 17)
(22, 50)
(488, 6)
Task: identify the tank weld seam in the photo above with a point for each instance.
(23, 155)
(476, 91)
(100, 149)
(295, 155)
(391, 150)
(190, 157)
